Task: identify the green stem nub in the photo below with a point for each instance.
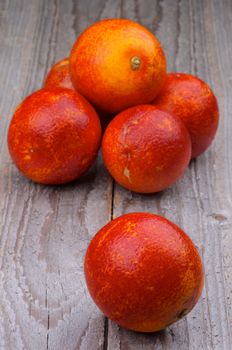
(135, 63)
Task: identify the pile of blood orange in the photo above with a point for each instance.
(142, 270)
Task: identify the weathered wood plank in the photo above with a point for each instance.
(45, 230)
(195, 39)
(83, 325)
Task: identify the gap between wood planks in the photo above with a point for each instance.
(105, 344)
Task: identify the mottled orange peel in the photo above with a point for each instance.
(192, 100)
(117, 63)
(54, 136)
(145, 274)
(146, 149)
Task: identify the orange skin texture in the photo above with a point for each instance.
(59, 76)
(101, 67)
(146, 149)
(194, 102)
(143, 272)
(54, 136)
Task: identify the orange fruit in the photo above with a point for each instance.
(143, 272)
(59, 76)
(117, 63)
(54, 136)
(194, 102)
(146, 149)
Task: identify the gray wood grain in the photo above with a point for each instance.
(195, 36)
(44, 231)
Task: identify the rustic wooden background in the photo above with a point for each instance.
(44, 231)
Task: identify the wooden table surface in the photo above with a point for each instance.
(44, 231)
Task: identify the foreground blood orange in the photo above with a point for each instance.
(59, 76)
(54, 136)
(143, 272)
(117, 63)
(194, 102)
(146, 149)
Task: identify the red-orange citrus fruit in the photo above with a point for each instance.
(117, 63)
(194, 102)
(146, 149)
(54, 136)
(143, 272)
(59, 76)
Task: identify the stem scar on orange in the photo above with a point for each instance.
(117, 63)
(146, 149)
(54, 136)
(143, 272)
